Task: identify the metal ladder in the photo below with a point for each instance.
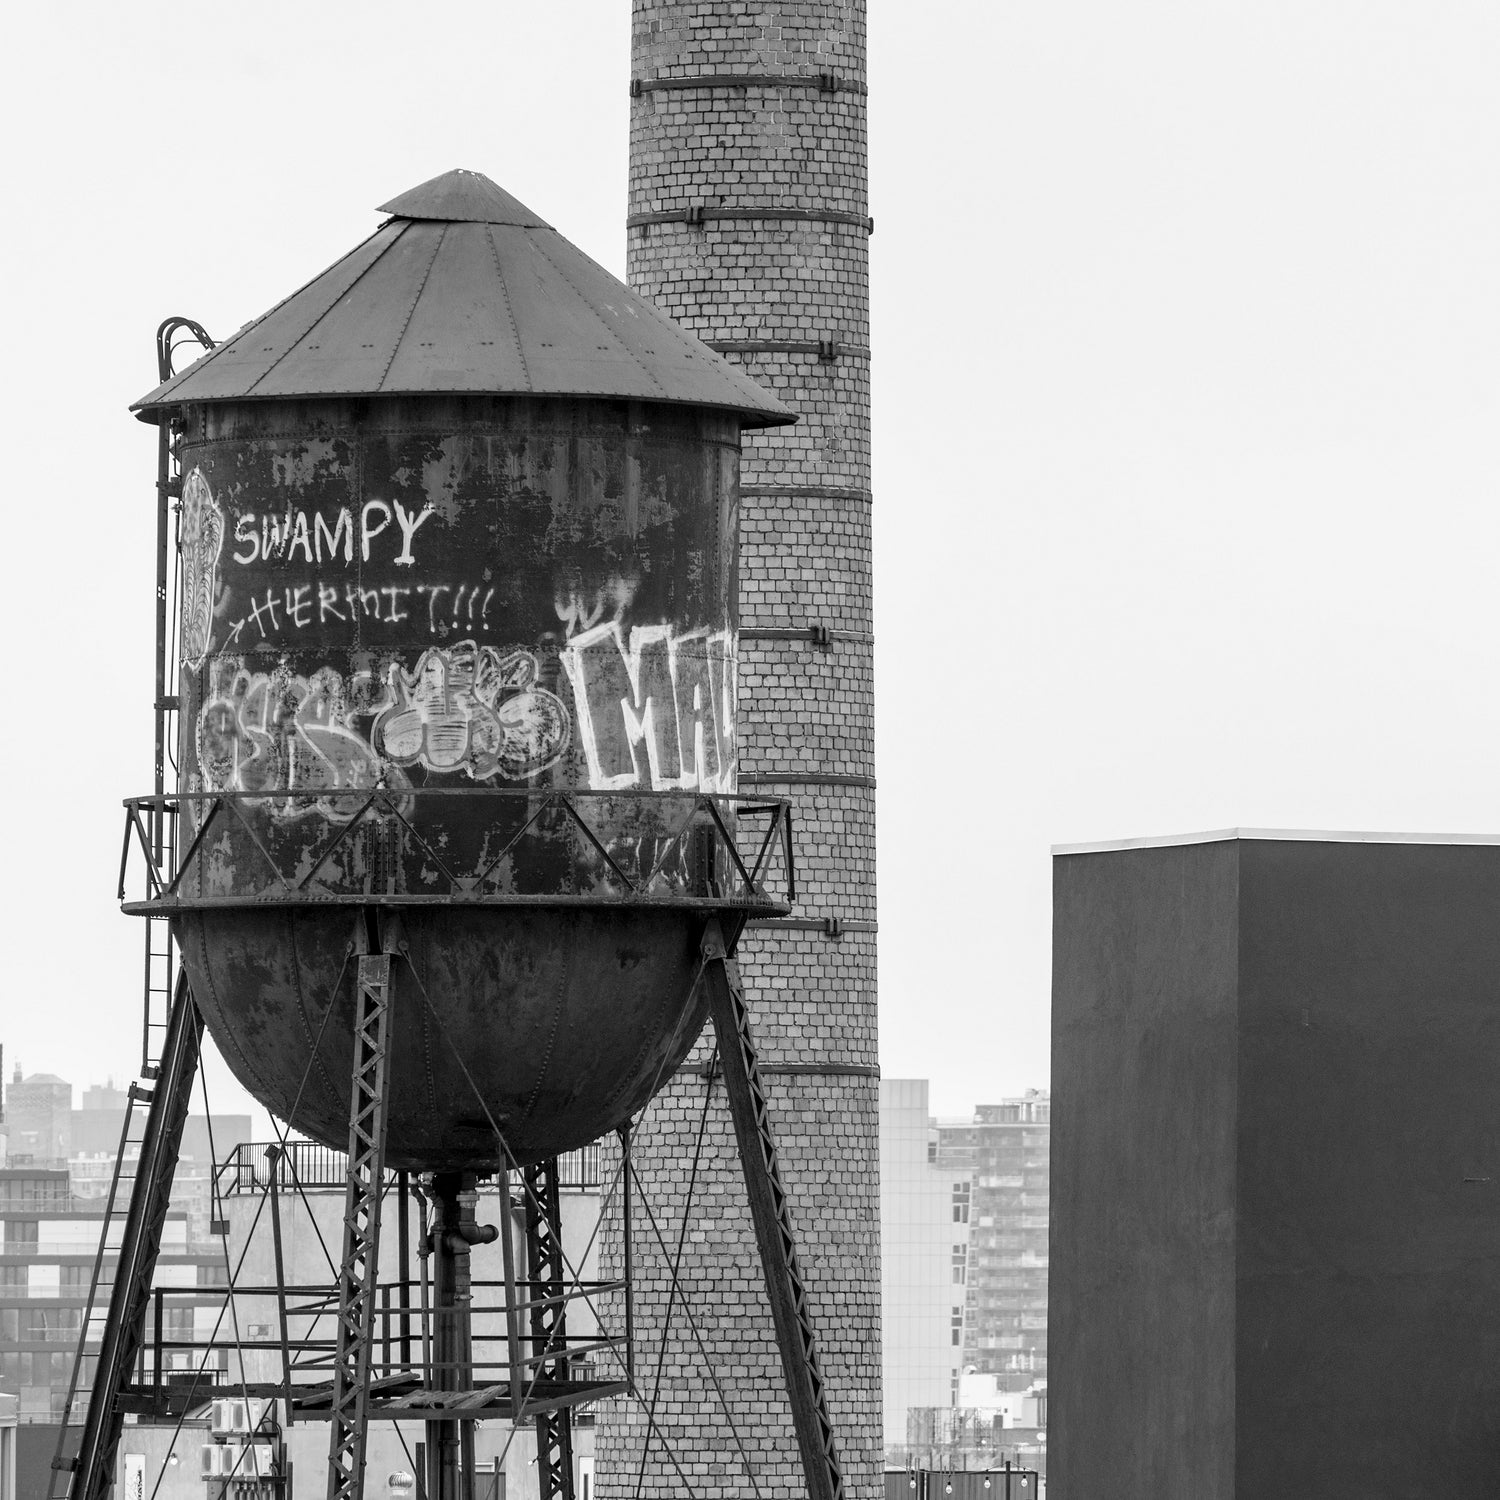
(160, 981)
(160, 976)
(171, 1033)
(116, 1207)
(86, 1451)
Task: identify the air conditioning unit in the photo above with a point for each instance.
(228, 1417)
(235, 1416)
(236, 1461)
(255, 1462)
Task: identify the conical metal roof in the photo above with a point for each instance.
(466, 291)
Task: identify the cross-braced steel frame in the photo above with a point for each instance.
(539, 1385)
(358, 1268)
(549, 1313)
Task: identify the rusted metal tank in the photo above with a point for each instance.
(458, 561)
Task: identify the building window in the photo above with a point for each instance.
(960, 1202)
(957, 1326)
(960, 1264)
(20, 1234)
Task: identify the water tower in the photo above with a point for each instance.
(456, 862)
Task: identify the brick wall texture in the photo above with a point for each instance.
(806, 712)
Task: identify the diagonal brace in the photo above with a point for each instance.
(772, 1218)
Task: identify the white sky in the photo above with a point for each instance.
(1187, 400)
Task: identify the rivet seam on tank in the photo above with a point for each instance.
(410, 311)
(615, 337)
(297, 342)
(198, 366)
(510, 312)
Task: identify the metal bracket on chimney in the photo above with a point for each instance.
(832, 927)
(827, 350)
(822, 636)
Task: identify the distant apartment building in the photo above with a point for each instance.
(1005, 1153)
(924, 1256)
(52, 1201)
(48, 1243)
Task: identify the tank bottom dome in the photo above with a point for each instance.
(557, 1023)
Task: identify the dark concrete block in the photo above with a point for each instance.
(1275, 1257)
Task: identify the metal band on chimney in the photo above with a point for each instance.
(828, 926)
(819, 635)
(824, 83)
(815, 1070)
(699, 214)
(827, 350)
(847, 493)
(801, 778)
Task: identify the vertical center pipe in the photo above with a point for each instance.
(403, 1264)
(448, 1477)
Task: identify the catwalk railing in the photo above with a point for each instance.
(397, 846)
(308, 1165)
(281, 1340)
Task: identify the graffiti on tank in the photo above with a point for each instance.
(464, 708)
(579, 612)
(279, 731)
(469, 708)
(446, 607)
(202, 540)
(657, 712)
(293, 535)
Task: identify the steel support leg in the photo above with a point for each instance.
(545, 1270)
(359, 1265)
(94, 1474)
(773, 1222)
